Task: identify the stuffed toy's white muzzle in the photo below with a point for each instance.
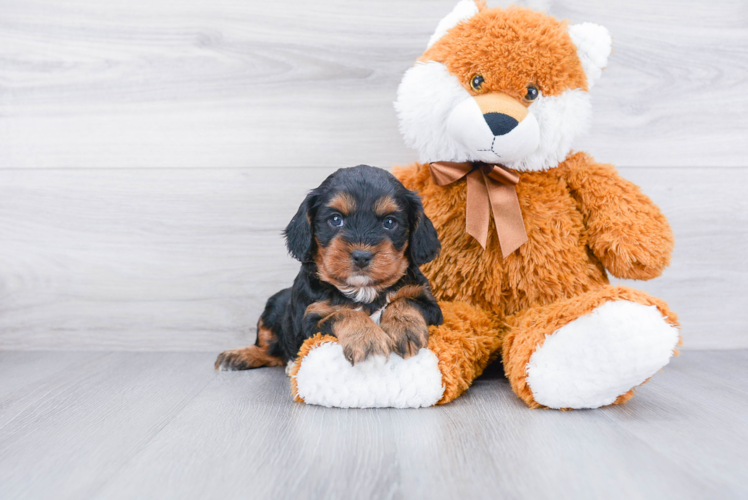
(495, 127)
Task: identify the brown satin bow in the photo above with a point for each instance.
(490, 188)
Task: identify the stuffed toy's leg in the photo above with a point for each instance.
(590, 350)
(457, 353)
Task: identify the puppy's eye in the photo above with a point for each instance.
(532, 93)
(476, 82)
(335, 220)
(389, 223)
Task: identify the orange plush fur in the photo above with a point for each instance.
(498, 38)
(557, 267)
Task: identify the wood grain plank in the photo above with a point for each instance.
(715, 409)
(242, 84)
(185, 259)
(28, 377)
(165, 425)
(526, 454)
(92, 419)
(329, 453)
(133, 258)
(268, 447)
(242, 435)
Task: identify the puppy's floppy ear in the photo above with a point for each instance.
(298, 233)
(424, 242)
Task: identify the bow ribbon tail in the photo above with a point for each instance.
(507, 215)
(477, 210)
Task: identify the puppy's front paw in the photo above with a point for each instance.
(364, 342)
(407, 335)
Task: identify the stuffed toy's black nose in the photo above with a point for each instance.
(361, 257)
(499, 123)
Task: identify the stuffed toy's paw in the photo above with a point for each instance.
(323, 376)
(591, 350)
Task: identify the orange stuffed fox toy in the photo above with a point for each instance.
(528, 228)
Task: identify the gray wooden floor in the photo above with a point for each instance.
(165, 425)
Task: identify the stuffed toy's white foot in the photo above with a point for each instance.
(326, 378)
(594, 359)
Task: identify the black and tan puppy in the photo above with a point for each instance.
(360, 237)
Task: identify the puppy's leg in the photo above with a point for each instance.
(253, 356)
(359, 336)
(411, 309)
(406, 327)
(266, 351)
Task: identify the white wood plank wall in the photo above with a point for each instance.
(151, 152)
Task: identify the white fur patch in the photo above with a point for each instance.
(360, 294)
(360, 280)
(289, 366)
(593, 48)
(376, 316)
(594, 359)
(463, 11)
(326, 378)
(426, 97)
(560, 120)
(358, 289)
(467, 124)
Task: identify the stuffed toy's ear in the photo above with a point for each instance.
(593, 48)
(424, 241)
(298, 233)
(462, 11)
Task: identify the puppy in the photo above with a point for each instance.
(360, 237)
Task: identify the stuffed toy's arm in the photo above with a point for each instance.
(627, 232)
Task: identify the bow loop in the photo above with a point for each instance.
(490, 188)
(499, 173)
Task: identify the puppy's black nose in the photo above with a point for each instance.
(499, 123)
(361, 258)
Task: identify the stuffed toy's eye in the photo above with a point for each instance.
(389, 223)
(476, 82)
(532, 93)
(335, 220)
